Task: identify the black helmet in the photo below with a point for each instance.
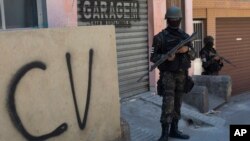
(174, 16)
(209, 41)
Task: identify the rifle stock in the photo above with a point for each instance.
(227, 61)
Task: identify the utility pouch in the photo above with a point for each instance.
(189, 84)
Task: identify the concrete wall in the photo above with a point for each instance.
(38, 83)
(198, 98)
(206, 88)
(220, 85)
(62, 13)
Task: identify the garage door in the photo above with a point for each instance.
(233, 42)
(131, 20)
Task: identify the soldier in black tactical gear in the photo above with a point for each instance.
(173, 72)
(211, 63)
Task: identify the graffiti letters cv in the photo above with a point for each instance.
(11, 103)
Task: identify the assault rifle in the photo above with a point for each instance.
(222, 58)
(171, 52)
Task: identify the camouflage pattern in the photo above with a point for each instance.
(171, 87)
(173, 74)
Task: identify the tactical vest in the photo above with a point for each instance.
(169, 40)
(215, 66)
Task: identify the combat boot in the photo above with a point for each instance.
(175, 133)
(164, 132)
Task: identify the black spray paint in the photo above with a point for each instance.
(63, 127)
(82, 123)
(12, 106)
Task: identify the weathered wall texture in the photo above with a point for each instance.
(40, 69)
(62, 13)
(220, 85)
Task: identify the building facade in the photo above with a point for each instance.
(228, 21)
(19, 14)
(131, 23)
(136, 22)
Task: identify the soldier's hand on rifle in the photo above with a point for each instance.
(183, 49)
(171, 57)
(217, 58)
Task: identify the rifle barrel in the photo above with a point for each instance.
(172, 51)
(223, 58)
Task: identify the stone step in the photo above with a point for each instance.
(215, 101)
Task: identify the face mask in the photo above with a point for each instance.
(174, 23)
(210, 44)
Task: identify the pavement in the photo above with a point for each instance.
(142, 112)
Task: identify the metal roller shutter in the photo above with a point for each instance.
(233, 42)
(132, 49)
(132, 53)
